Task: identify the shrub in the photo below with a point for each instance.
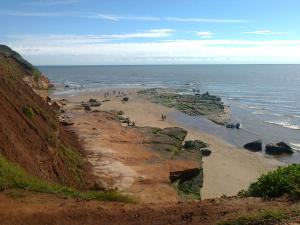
(284, 180)
(28, 112)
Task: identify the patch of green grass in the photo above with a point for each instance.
(282, 181)
(74, 162)
(28, 112)
(53, 139)
(120, 113)
(14, 176)
(261, 218)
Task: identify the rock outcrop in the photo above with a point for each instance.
(169, 139)
(188, 182)
(254, 146)
(279, 148)
(194, 145)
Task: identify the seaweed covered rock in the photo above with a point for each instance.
(194, 145)
(169, 139)
(188, 182)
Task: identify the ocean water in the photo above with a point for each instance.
(265, 99)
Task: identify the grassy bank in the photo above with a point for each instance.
(14, 176)
(267, 217)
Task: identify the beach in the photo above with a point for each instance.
(227, 170)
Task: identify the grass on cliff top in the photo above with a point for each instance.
(14, 176)
(267, 217)
(274, 184)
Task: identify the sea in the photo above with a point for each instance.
(265, 99)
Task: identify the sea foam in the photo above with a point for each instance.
(285, 124)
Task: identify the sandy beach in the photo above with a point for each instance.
(226, 171)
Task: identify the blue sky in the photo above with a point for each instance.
(88, 32)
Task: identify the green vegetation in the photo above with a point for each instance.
(120, 113)
(261, 218)
(74, 162)
(283, 181)
(195, 145)
(28, 112)
(16, 56)
(53, 139)
(13, 176)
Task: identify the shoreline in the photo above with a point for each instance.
(228, 170)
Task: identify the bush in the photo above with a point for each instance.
(14, 176)
(28, 112)
(282, 181)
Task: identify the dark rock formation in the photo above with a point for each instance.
(194, 145)
(188, 182)
(254, 146)
(125, 99)
(205, 152)
(279, 148)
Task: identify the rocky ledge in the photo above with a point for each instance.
(205, 104)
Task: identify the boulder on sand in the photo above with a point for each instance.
(254, 146)
(205, 151)
(279, 148)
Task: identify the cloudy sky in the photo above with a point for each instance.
(96, 32)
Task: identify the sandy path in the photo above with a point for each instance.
(226, 171)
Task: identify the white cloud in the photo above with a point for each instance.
(85, 50)
(204, 20)
(109, 17)
(51, 2)
(118, 17)
(71, 40)
(205, 34)
(265, 32)
(33, 14)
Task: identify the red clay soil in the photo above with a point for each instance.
(37, 209)
(25, 140)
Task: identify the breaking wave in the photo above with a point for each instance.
(285, 124)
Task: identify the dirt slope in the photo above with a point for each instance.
(30, 134)
(44, 209)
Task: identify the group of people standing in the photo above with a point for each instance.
(163, 117)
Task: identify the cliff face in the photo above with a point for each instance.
(31, 75)
(30, 134)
